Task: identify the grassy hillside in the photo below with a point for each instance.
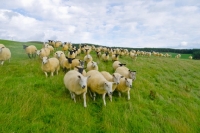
(30, 102)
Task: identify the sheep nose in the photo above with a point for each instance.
(83, 86)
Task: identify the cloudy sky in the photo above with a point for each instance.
(125, 23)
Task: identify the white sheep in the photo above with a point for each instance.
(88, 58)
(70, 63)
(115, 77)
(105, 56)
(5, 54)
(49, 47)
(98, 84)
(50, 65)
(190, 57)
(125, 85)
(124, 71)
(117, 64)
(44, 52)
(76, 83)
(30, 50)
(60, 55)
(92, 65)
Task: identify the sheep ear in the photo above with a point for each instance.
(79, 76)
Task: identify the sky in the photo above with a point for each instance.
(119, 23)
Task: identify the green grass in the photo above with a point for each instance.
(30, 102)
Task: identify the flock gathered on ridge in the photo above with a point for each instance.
(82, 76)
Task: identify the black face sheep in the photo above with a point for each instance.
(125, 85)
(105, 56)
(124, 71)
(117, 64)
(80, 69)
(50, 65)
(5, 54)
(98, 84)
(115, 57)
(76, 83)
(30, 50)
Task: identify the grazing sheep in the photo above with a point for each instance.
(178, 56)
(50, 65)
(124, 71)
(57, 44)
(133, 55)
(117, 64)
(190, 57)
(49, 47)
(80, 69)
(105, 57)
(98, 54)
(5, 54)
(88, 58)
(44, 52)
(115, 57)
(76, 83)
(92, 66)
(98, 84)
(30, 50)
(65, 46)
(71, 54)
(125, 85)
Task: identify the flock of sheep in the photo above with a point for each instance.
(82, 76)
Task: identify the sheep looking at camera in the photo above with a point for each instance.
(50, 65)
(98, 84)
(76, 83)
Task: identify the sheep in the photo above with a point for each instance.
(117, 64)
(60, 55)
(69, 63)
(133, 55)
(115, 57)
(178, 56)
(105, 57)
(76, 84)
(30, 50)
(98, 84)
(1, 45)
(80, 69)
(98, 53)
(50, 65)
(5, 54)
(124, 71)
(57, 44)
(65, 46)
(88, 58)
(115, 77)
(43, 52)
(49, 47)
(71, 54)
(92, 66)
(190, 57)
(125, 85)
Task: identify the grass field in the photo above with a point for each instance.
(30, 102)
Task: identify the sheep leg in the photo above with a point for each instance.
(84, 99)
(46, 74)
(29, 56)
(119, 94)
(94, 95)
(110, 96)
(128, 95)
(73, 96)
(51, 73)
(90, 93)
(104, 101)
(2, 62)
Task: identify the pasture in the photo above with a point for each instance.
(30, 102)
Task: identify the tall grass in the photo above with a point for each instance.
(30, 102)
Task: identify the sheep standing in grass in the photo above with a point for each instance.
(92, 66)
(124, 71)
(80, 69)
(88, 58)
(190, 57)
(125, 85)
(44, 52)
(30, 50)
(5, 54)
(105, 57)
(117, 64)
(49, 47)
(98, 84)
(76, 83)
(115, 77)
(115, 57)
(50, 65)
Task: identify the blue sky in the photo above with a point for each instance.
(126, 23)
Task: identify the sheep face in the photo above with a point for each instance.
(117, 78)
(132, 75)
(1, 49)
(94, 64)
(44, 60)
(83, 81)
(38, 52)
(128, 82)
(108, 87)
(58, 54)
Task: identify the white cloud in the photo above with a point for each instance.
(126, 23)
